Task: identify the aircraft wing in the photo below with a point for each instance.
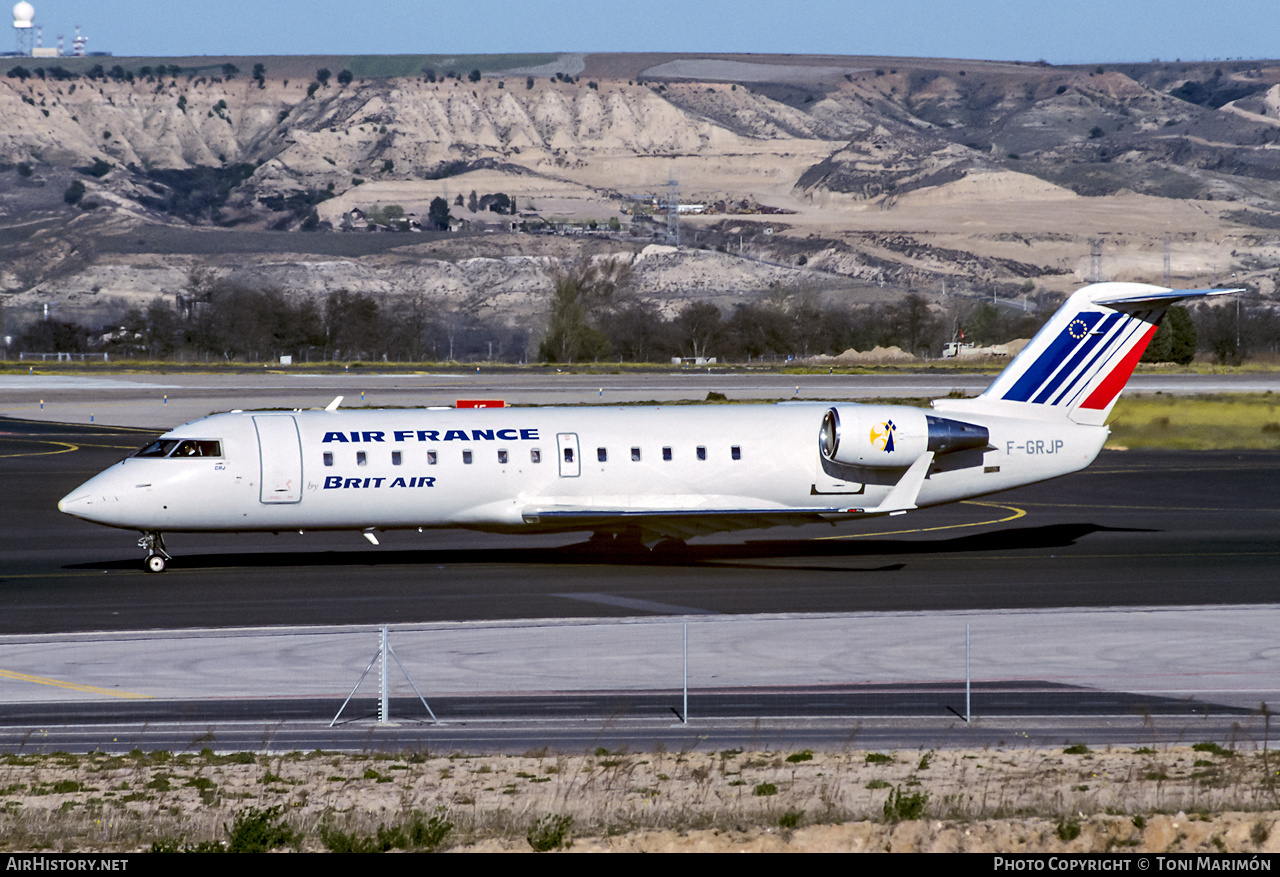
(686, 522)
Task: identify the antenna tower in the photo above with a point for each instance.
(673, 210)
(1095, 260)
(23, 16)
(1166, 260)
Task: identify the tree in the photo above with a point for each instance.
(53, 336)
(438, 214)
(1220, 327)
(1175, 340)
(699, 326)
(915, 324)
(345, 77)
(471, 201)
(474, 75)
(230, 70)
(496, 203)
(583, 294)
(352, 324)
(637, 332)
(322, 76)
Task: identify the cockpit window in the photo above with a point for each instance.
(182, 448)
(159, 448)
(197, 448)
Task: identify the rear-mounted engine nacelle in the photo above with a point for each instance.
(893, 436)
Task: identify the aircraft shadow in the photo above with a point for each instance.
(695, 555)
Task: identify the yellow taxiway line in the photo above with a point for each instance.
(1017, 513)
(74, 686)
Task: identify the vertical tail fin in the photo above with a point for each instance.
(1078, 363)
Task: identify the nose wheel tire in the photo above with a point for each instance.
(157, 557)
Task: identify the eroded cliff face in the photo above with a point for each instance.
(968, 173)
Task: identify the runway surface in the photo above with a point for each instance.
(819, 622)
(163, 401)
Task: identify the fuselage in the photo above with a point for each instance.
(539, 469)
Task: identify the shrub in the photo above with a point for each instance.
(549, 833)
(74, 192)
(898, 807)
(258, 830)
(790, 820)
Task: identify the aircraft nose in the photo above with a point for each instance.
(74, 503)
(97, 500)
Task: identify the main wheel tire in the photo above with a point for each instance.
(155, 563)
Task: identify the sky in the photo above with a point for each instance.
(1063, 32)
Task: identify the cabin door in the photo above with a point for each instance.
(567, 447)
(280, 451)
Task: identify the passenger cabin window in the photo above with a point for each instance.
(328, 458)
(431, 458)
(361, 458)
(466, 457)
(535, 455)
(702, 452)
(395, 458)
(666, 455)
(635, 455)
(736, 452)
(502, 456)
(602, 455)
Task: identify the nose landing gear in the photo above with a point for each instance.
(157, 557)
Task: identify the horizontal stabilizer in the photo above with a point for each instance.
(1156, 297)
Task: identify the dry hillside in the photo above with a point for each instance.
(889, 175)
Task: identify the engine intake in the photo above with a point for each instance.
(893, 436)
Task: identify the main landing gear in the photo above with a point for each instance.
(157, 557)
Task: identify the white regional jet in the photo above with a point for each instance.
(646, 472)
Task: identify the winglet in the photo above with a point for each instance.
(333, 406)
(903, 496)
